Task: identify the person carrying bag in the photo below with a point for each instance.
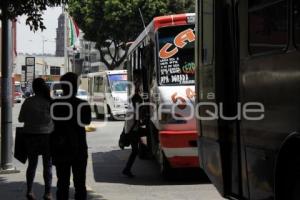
(133, 136)
(35, 136)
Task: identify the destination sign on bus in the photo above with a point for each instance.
(176, 55)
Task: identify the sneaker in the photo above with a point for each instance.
(47, 196)
(30, 196)
(128, 173)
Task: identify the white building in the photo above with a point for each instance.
(48, 67)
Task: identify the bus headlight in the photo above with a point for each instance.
(117, 105)
(116, 99)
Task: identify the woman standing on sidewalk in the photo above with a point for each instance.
(38, 124)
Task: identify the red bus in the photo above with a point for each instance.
(161, 59)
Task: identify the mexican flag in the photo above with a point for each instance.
(73, 32)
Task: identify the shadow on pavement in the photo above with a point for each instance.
(107, 167)
(17, 191)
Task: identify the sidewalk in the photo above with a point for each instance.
(13, 186)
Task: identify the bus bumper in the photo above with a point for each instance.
(180, 148)
(119, 112)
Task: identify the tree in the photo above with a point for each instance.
(116, 22)
(32, 8)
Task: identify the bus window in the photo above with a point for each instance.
(208, 31)
(98, 84)
(176, 55)
(297, 22)
(118, 82)
(268, 25)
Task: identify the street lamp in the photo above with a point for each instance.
(44, 67)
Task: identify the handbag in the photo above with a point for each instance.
(125, 139)
(20, 152)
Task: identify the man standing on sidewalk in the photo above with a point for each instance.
(68, 141)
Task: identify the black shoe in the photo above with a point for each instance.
(30, 196)
(128, 173)
(47, 196)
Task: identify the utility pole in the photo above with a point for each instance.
(44, 66)
(6, 94)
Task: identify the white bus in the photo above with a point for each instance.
(108, 93)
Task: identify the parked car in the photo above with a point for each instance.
(82, 94)
(18, 94)
(18, 97)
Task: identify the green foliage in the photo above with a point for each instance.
(119, 21)
(32, 8)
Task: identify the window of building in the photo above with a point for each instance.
(208, 31)
(297, 22)
(54, 70)
(137, 54)
(268, 25)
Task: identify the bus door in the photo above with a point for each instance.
(269, 63)
(90, 86)
(217, 93)
(99, 92)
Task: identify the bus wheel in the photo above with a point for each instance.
(111, 116)
(292, 182)
(295, 191)
(98, 115)
(154, 141)
(165, 168)
(288, 181)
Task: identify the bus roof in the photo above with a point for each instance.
(173, 20)
(163, 21)
(107, 72)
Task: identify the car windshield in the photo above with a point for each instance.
(82, 93)
(18, 88)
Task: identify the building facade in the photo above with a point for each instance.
(60, 36)
(47, 67)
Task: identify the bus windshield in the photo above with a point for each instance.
(118, 82)
(176, 55)
(18, 88)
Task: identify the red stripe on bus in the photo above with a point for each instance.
(184, 161)
(178, 139)
(170, 20)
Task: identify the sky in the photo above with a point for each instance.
(31, 42)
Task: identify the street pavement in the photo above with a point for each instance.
(104, 178)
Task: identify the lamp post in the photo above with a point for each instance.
(44, 66)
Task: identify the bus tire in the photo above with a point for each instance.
(98, 115)
(292, 181)
(154, 141)
(111, 116)
(165, 167)
(287, 185)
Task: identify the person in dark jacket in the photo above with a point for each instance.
(68, 141)
(38, 125)
(134, 139)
